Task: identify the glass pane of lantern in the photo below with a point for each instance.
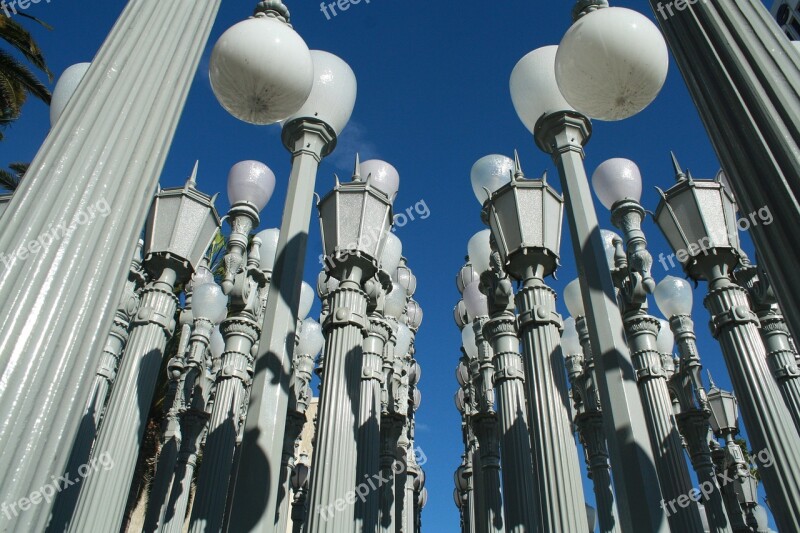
(349, 219)
(328, 223)
(507, 211)
(376, 213)
(711, 204)
(530, 207)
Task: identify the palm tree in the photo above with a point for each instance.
(17, 81)
(10, 180)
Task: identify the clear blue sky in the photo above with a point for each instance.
(433, 98)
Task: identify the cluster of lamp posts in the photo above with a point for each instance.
(238, 385)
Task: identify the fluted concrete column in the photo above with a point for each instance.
(101, 504)
(764, 412)
(519, 503)
(193, 428)
(557, 478)
(391, 427)
(333, 475)
(410, 499)
(294, 427)
(369, 420)
(103, 158)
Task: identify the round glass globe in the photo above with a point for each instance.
(395, 304)
(333, 95)
(269, 247)
(382, 176)
(468, 341)
(615, 180)
(475, 301)
(216, 343)
(479, 251)
(406, 278)
(465, 276)
(403, 342)
(202, 276)
(674, 296)
(65, 87)
(611, 63)
(414, 314)
(460, 314)
(608, 246)
(306, 301)
(310, 338)
(490, 172)
(534, 91)
(570, 341)
(252, 182)
(392, 252)
(209, 302)
(573, 298)
(261, 70)
(665, 342)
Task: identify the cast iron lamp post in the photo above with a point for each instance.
(618, 184)
(562, 132)
(180, 227)
(290, 75)
(674, 299)
(698, 219)
(525, 218)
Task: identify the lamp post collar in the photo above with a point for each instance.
(272, 8)
(584, 7)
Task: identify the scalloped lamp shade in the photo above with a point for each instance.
(570, 341)
(209, 302)
(403, 342)
(306, 301)
(615, 180)
(490, 172)
(333, 94)
(252, 182)
(392, 252)
(261, 71)
(573, 298)
(475, 301)
(382, 176)
(611, 63)
(534, 91)
(674, 296)
(311, 339)
(468, 341)
(269, 247)
(666, 339)
(479, 251)
(395, 304)
(65, 87)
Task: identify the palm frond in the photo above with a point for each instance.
(18, 37)
(16, 72)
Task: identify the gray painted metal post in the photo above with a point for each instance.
(563, 135)
(744, 76)
(108, 149)
(557, 475)
(256, 486)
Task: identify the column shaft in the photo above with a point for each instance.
(781, 359)
(590, 426)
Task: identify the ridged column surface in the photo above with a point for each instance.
(208, 510)
(764, 412)
(781, 359)
(489, 513)
(590, 426)
(557, 477)
(391, 427)
(194, 428)
(641, 331)
(58, 304)
(101, 504)
(369, 418)
(333, 475)
(519, 502)
(294, 426)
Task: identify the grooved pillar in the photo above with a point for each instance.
(106, 151)
(333, 475)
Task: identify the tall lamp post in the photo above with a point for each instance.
(562, 132)
(313, 93)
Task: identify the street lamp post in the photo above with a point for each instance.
(562, 132)
(698, 219)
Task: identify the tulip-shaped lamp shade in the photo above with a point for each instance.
(65, 87)
(403, 343)
(534, 91)
(611, 63)
(269, 246)
(306, 301)
(608, 246)
(475, 301)
(665, 340)
(489, 173)
(395, 304)
(414, 314)
(616, 180)
(460, 314)
(216, 343)
(480, 250)
(406, 278)
(674, 296)
(261, 70)
(209, 302)
(382, 176)
(392, 252)
(251, 182)
(311, 338)
(570, 341)
(462, 374)
(465, 276)
(202, 276)
(468, 341)
(573, 298)
(460, 401)
(333, 95)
